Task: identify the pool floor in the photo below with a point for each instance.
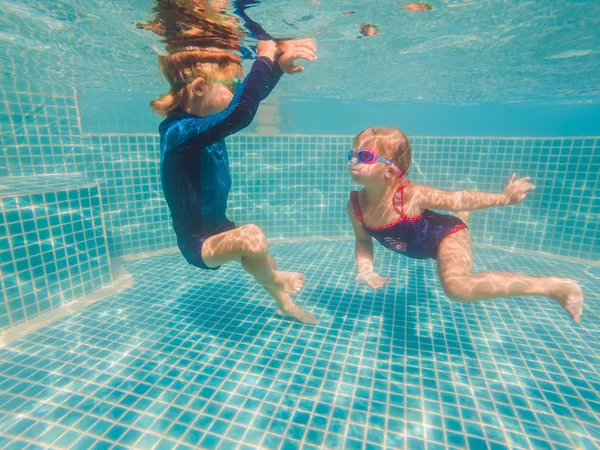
(195, 359)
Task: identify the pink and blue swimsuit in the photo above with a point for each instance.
(416, 237)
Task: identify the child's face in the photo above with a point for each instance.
(217, 96)
(210, 95)
(368, 174)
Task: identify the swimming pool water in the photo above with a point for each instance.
(108, 339)
(186, 359)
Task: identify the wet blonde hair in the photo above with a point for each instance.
(200, 42)
(182, 68)
(389, 142)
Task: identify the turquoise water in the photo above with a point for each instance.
(110, 340)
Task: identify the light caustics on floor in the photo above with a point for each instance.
(192, 359)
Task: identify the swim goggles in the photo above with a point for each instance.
(371, 157)
(231, 83)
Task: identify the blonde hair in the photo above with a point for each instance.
(389, 142)
(182, 68)
(200, 42)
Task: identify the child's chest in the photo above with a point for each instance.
(375, 216)
(388, 212)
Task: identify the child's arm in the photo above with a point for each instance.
(285, 58)
(427, 197)
(259, 33)
(203, 131)
(270, 84)
(364, 253)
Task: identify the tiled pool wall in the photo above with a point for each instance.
(52, 245)
(296, 186)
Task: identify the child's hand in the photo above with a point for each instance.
(267, 49)
(289, 50)
(515, 191)
(372, 279)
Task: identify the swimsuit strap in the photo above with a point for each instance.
(398, 200)
(356, 206)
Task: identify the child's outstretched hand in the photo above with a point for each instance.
(372, 279)
(515, 191)
(290, 50)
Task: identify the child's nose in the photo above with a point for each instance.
(353, 161)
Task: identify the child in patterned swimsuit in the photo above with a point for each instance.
(396, 213)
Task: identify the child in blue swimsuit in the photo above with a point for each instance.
(203, 107)
(397, 214)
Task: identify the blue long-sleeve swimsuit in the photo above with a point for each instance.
(195, 173)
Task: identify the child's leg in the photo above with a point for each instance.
(248, 245)
(455, 265)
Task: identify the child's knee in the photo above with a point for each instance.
(455, 289)
(254, 240)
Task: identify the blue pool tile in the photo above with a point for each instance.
(497, 446)
(210, 441)
(254, 436)
(314, 437)
(226, 444)
(165, 444)
(435, 435)
(86, 442)
(102, 445)
(193, 437)
(219, 427)
(130, 437)
(540, 444)
(271, 441)
(115, 432)
(204, 422)
(456, 439)
(179, 336)
(236, 432)
(288, 444)
(16, 445)
(177, 431)
(20, 427)
(476, 443)
(183, 447)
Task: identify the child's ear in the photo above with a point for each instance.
(198, 86)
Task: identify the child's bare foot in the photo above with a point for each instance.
(568, 293)
(298, 313)
(287, 307)
(289, 282)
